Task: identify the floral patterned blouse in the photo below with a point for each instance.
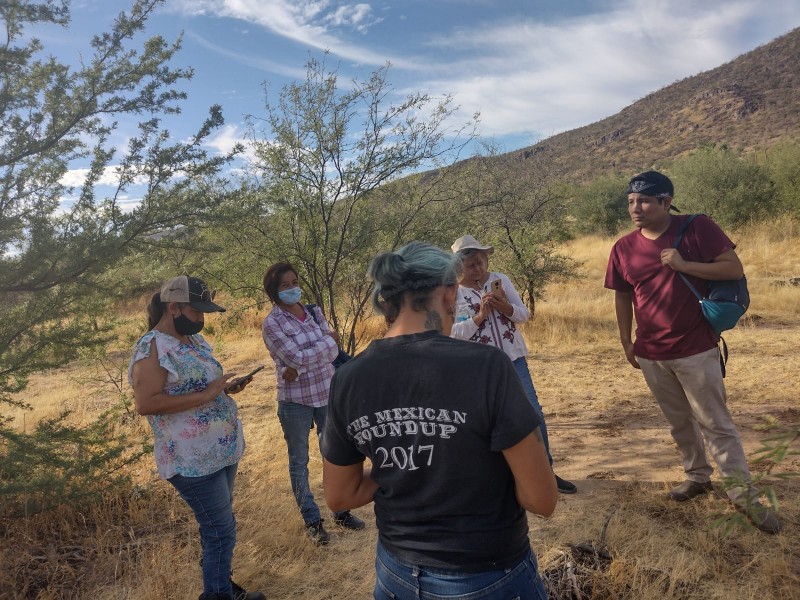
(201, 440)
(497, 330)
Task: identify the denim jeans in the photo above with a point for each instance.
(521, 367)
(395, 580)
(296, 420)
(211, 499)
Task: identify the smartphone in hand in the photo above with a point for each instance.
(497, 285)
(233, 385)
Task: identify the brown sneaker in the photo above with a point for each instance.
(762, 518)
(689, 489)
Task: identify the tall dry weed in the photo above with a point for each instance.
(606, 434)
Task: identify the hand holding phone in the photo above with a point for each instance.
(497, 285)
(238, 384)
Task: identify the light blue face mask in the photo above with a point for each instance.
(290, 296)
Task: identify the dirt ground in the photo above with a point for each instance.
(605, 426)
(609, 437)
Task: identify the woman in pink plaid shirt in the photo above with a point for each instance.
(303, 347)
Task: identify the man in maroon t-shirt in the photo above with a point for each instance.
(675, 347)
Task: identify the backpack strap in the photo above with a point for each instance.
(682, 230)
(342, 357)
(723, 352)
(723, 356)
(311, 310)
(678, 240)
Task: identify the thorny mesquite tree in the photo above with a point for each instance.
(326, 150)
(522, 214)
(56, 242)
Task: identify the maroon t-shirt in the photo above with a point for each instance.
(669, 321)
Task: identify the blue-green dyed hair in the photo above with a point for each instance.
(417, 269)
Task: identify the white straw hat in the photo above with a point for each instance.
(467, 242)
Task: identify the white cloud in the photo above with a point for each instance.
(225, 138)
(76, 177)
(357, 16)
(258, 62)
(303, 21)
(527, 74)
(128, 204)
(538, 79)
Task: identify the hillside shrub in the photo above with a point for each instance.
(62, 463)
(783, 164)
(601, 207)
(717, 181)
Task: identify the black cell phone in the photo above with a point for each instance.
(253, 372)
(237, 382)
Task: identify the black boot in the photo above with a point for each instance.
(239, 593)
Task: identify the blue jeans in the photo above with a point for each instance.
(395, 580)
(211, 499)
(296, 420)
(521, 367)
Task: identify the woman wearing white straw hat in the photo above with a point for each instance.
(488, 309)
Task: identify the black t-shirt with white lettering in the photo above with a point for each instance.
(433, 415)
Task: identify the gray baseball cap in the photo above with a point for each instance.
(191, 291)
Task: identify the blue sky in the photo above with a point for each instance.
(531, 68)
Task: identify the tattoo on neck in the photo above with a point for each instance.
(433, 320)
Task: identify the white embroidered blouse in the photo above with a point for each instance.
(498, 329)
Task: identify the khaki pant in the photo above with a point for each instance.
(691, 394)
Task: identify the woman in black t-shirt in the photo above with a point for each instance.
(457, 456)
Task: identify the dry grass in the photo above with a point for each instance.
(606, 435)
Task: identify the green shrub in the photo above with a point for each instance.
(717, 181)
(783, 163)
(60, 463)
(601, 206)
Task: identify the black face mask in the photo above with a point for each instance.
(185, 326)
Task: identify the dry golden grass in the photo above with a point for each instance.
(606, 435)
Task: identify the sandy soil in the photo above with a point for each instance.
(607, 436)
(607, 427)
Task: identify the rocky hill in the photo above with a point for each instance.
(747, 103)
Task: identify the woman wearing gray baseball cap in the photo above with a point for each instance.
(181, 389)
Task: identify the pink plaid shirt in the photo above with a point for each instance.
(304, 346)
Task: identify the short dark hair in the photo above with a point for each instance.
(272, 279)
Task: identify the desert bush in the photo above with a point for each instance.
(717, 181)
(779, 444)
(601, 207)
(64, 463)
(783, 163)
